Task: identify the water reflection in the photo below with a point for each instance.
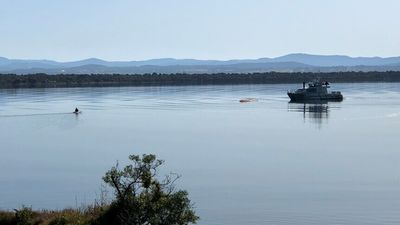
(313, 111)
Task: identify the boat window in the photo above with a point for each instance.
(313, 89)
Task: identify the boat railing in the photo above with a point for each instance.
(292, 90)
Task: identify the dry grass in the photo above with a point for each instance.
(27, 216)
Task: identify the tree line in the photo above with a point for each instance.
(155, 79)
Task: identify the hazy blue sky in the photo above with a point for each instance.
(204, 29)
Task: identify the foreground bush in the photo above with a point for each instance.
(143, 199)
(140, 199)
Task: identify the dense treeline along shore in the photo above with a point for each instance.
(92, 80)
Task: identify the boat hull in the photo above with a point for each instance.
(301, 97)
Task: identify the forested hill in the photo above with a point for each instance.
(287, 63)
(73, 80)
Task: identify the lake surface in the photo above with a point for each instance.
(264, 162)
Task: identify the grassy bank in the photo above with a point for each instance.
(141, 198)
(93, 80)
(26, 216)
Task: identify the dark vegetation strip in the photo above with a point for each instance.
(90, 80)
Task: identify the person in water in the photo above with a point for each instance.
(76, 110)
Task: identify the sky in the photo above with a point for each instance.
(67, 30)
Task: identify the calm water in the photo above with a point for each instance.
(265, 162)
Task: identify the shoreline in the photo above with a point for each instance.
(13, 81)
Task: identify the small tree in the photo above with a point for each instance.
(141, 199)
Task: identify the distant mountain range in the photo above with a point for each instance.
(287, 63)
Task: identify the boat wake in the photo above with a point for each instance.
(37, 114)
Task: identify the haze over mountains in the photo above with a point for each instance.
(287, 63)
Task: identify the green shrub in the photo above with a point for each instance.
(140, 198)
(26, 216)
